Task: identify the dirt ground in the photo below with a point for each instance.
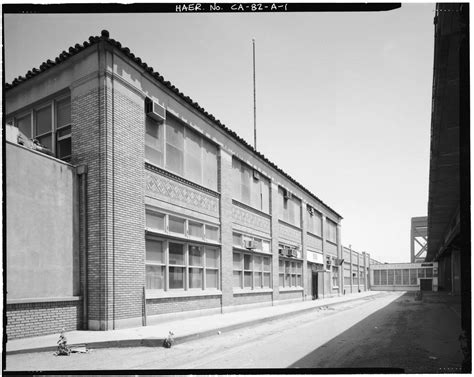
(391, 330)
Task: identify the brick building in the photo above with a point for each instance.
(147, 206)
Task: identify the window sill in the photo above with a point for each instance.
(43, 299)
(239, 291)
(291, 289)
(150, 294)
(180, 237)
(283, 222)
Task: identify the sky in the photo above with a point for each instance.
(343, 99)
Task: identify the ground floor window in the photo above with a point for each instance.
(290, 272)
(174, 265)
(251, 270)
(335, 276)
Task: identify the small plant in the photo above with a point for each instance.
(168, 342)
(63, 348)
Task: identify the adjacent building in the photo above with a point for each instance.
(146, 207)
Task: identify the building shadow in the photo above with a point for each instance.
(409, 335)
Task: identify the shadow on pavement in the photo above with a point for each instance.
(418, 336)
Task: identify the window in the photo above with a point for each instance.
(53, 132)
(250, 188)
(335, 276)
(155, 221)
(63, 125)
(251, 271)
(178, 226)
(331, 231)
(240, 240)
(377, 277)
(315, 222)
(155, 265)
(429, 272)
(398, 277)
(175, 266)
(383, 277)
(290, 272)
(181, 150)
(413, 276)
(390, 277)
(405, 277)
(290, 208)
(154, 141)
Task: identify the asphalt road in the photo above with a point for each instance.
(390, 330)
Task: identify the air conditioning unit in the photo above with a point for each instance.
(249, 244)
(256, 175)
(310, 210)
(292, 253)
(155, 110)
(280, 250)
(287, 195)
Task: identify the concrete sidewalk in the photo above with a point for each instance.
(183, 329)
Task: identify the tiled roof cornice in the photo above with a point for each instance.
(73, 50)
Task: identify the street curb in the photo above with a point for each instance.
(158, 342)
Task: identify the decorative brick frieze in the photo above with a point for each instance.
(163, 188)
(314, 242)
(244, 217)
(289, 233)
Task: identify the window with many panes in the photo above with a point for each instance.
(335, 276)
(251, 270)
(175, 147)
(331, 231)
(290, 208)
(315, 221)
(240, 240)
(50, 124)
(173, 265)
(158, 222)
(250, 187)
(290, 272)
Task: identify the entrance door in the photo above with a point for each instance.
(426, 284)
(314, 285)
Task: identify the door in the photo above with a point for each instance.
(426, 284)
(314, 281)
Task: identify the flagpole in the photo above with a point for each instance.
(254, 101)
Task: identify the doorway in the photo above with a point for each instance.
(314, 284)
(426, 284)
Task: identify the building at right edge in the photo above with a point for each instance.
(449, 123)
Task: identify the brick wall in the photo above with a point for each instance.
(181, 304)
(251, 298)
(290, 295)
(35, 319)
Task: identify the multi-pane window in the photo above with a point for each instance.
(290, 272)
(315, 222)
(250, 187)
(290, 208)
(335, 276)
(173, 265)
(244, 241)
(178, 226)
(399, 276)
(181, 150)
(331, 231)
(50, 124)
(251, 270)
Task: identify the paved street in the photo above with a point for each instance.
(391, 330)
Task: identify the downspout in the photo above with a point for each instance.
(82, 173)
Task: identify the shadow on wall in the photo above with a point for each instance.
(416, 336)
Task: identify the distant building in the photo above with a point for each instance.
(148, 207)
(404, 277)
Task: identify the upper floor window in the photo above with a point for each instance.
(50, 124)
(250, 187)
(331, 231)
(181, 150)
(315, 221)
(290, 207)
(178, 226)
